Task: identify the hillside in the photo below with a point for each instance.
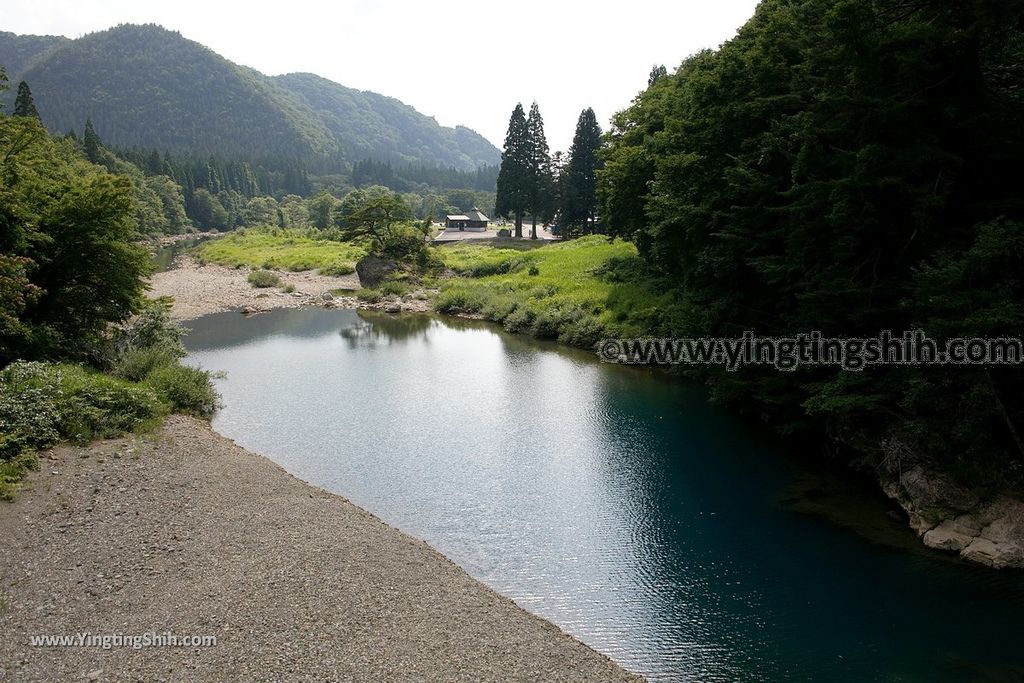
(368, 125)
(147, 87)
(16, 52)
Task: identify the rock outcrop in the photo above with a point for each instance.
(949, 517)
(373, 270)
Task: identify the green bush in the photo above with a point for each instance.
(498, 308)
(585, 331)
(42, 404)
(288, 288)
(136, 364)
(393, 287)
(520, 320)
(370, 296)
(185, 389)
(263, 279)
(401, 242)
(338, 269)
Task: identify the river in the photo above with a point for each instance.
(615, 502)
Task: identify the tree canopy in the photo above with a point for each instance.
(849, 167)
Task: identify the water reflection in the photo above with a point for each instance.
(615, 502)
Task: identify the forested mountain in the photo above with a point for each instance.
(17, 52)
(146, 87)
(367, 125)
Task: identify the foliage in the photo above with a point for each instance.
(42, 404)
(514, 177)
(68, 267)
(263, 279)
(184, 389)
(843, 167)
(372, 212)
(579, 179)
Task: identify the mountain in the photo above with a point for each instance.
(367, 125)
(16, 52)
(147, 87)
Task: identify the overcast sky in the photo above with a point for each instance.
(462, 62)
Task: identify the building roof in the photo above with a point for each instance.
(476, 214)
(457, 217)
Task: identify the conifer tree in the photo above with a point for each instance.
(579, 180)
(91, 143)
(513, 187)
(658, 71)
(541, 179)
(23, 104)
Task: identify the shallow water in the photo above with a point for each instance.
(165, 256)
(615, 502)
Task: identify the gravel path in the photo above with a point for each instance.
(182, 531)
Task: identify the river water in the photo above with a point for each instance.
(613, 501)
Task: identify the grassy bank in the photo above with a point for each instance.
(574, 291)
(282, 249)
(138, 383)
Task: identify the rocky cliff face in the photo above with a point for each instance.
(947, 516)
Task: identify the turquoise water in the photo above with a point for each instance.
(615, 502)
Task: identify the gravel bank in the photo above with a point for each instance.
(185, 532)
(202, 289)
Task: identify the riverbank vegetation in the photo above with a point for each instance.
(574, 291)
(284, 249)
(846, 167)
(83, 353)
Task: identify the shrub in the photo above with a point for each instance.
(370, 296)
(584, 331)
(42, 403)
(520, 320)
(534, 270)
(393, 287)
(401, 242)
(338, 269)
(263, 279)
(498, 308)
(288, 288)
(152, 328)
(185, 389)
(136, 364)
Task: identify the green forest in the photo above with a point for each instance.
(848, 167)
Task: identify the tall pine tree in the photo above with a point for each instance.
(541, 179)
(91, 143)
(513, 188)
(23, 104)
(579, 180)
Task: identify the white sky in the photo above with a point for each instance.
(460, 61)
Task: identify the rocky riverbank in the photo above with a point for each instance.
(183, 532)
(947, 516)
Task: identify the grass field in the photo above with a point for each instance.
(280, 249)
(574, 291)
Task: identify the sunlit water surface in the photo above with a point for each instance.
(615, 502)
